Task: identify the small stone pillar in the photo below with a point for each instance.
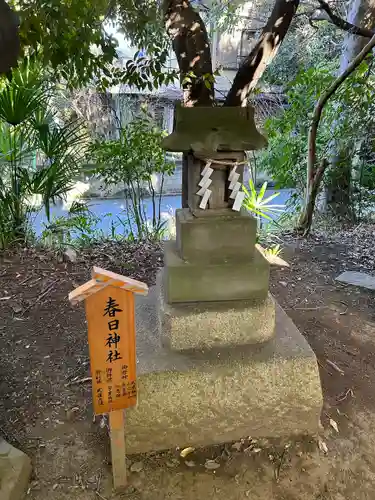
(214, 289)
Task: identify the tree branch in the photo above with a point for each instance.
(315, 175)
(262, 54)
(342, 23)
(323, 101)
(192, 48)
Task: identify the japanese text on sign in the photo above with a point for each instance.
(110, 315)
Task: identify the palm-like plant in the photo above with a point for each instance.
(28, 130)
(258, 205)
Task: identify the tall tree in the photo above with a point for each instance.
(191, 44)
(315, 172)
(361, 14)
(263, 53)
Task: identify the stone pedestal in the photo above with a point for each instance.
(202, 325)
(15, 471)
(215, 283)
(218, 358)
(198, 397)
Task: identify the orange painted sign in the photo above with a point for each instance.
(110, 316)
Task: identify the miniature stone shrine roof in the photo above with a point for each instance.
(210, 129)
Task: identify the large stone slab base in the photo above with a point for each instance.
(216, 395)
(15, 470)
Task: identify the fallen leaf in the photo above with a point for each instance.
(17, 308)
(211, 465)
(237, 446)
(190, 463)
(186, 451)
(136, 467)
(334, 425)
(335, 367)
(322, 446)
(172, 463)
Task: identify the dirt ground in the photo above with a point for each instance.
(47, 414)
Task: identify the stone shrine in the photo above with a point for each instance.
(218, 359)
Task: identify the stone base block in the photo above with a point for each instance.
(15, 471)
(216, 237)
(199, 398)
(201, 282)
(215, 324)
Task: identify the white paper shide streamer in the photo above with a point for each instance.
(204, 184)
(235, 187)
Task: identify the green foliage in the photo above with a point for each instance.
(285, 158)
(133, 160)
(38, 158)
(144, 72)
(302, 47)
(71, 40)
(64, 35)
(274, 251)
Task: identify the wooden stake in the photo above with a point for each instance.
(118, 451)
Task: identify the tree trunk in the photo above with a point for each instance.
(362, 13)
(192, 48)
(315, 175)
(306, 217)
(263, 53)
(9, 38)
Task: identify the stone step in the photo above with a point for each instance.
(202, 282)
(215, 237)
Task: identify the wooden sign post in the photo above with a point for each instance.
(110, 315)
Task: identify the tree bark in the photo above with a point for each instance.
(343, 24)
(361, 13)
(306, 217)
(314, 176)
(263, 53)
(192, 48)
(9, 38)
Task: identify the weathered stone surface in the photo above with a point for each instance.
(207, 130)
(214, 324)
(15, 470)
(202, 282)
(217, 395)
(215, 238)
(363, 280)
